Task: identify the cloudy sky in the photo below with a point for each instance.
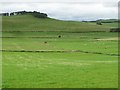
(66, 9)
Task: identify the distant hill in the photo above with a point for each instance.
(28, 22)
(108, 20)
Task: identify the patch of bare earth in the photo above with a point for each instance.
(108, 39)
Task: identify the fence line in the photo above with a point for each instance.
(60, 51)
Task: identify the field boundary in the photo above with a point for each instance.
(55, 31)
(29, 37)
(59, 51)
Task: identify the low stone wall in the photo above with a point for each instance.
(115, 30)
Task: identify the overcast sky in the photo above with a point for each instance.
(66, 9)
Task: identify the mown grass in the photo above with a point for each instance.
(58, 69)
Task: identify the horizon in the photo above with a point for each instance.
(64, 19)
(75, 11)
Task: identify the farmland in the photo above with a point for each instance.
(49, 53)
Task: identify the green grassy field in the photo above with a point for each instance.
(86, 55)
(29, 23)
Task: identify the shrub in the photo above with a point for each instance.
(39, 15)
(98, 23)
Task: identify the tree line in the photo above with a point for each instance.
(34, 13)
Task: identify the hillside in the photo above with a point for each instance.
(30, 23)
(49, 53)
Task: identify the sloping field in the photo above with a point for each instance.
(29, 23)
(49, 53)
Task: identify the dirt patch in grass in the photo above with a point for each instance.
(108, 39)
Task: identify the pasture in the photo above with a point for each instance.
(34, 56)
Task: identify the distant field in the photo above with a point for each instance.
(34, 56)
(68, 41)
(29, 23)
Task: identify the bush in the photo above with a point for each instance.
(98, 23)
(39, 15)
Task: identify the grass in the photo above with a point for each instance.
(96, 67)
(29, 23)
(68, 41)
(61, 70)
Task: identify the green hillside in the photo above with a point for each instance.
(30, 23)
(49, 53)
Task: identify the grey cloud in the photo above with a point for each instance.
(60, 1)
(67, 11)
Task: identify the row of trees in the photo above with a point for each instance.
(39, 15)
(34, 13)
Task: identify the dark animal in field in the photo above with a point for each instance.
(45, 42)
(59, 36)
